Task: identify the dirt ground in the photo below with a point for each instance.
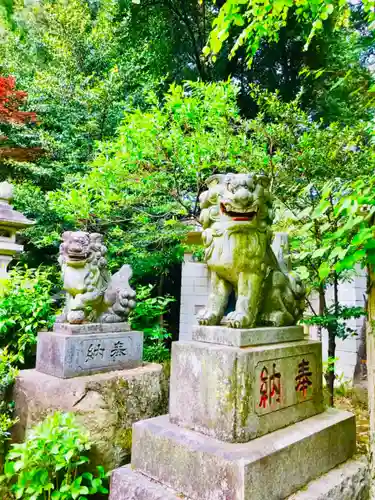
(355, 400)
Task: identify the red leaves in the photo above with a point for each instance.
(10, 102)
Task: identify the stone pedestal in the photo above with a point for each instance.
(237, 394)
(348, 481)
(106, 404)
(73, 350)
(271, 467)
(245, 423)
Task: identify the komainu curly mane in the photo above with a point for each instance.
(236, 217)
(92, 293)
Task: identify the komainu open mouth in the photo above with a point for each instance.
(76, 257)
(238, 214)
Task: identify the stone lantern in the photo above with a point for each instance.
(10, 222)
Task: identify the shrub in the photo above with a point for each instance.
(6, 423)
(148, 317)
(8, 374)
(26, 307)
(49, 465)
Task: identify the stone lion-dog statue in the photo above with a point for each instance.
(92, 294)
(236, 217)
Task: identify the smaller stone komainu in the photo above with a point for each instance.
(92, 294)
(236, 217)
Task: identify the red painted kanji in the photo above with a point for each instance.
(275, 389)
(303, 377)
(270, 386)
(263, 388)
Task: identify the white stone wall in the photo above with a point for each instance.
(194, 294)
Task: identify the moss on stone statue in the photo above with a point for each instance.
(239, 397)
(123, 439)
(245, 401)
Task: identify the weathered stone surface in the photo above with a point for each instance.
(348, 481)
(107, 404)
(84, 328)
(236, 217)
(247, 337)
(238, 394)
(271, 467)
(130, 485)
(65, 355)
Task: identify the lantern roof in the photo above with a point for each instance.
(8, 216)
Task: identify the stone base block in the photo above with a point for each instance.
(107, 404)
(349, 481)
(237, 337)
(66, 355)
(127, 484)
(237, 394)
(271, 467)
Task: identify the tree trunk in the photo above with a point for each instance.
(160, 294)
(322, 306)
(332, 344)
(370, 340)
(330, 373)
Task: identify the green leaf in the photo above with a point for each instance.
(319, 252)
(324, 270)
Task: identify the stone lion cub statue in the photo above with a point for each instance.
(92, 294)
(236, 217)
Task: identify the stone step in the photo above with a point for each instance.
(348, 481)
(127, 484)
(270, 467)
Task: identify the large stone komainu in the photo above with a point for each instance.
(93, 295)
(236, 217)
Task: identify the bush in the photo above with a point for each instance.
(148, 317)
(6, 423)
(8, 374)
(49, 465)
(26, 307)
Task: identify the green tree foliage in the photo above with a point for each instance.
(81, 67)
(309, 229)
(78, 73)
(145, 183)
(261, 22)
(148, 316)
(351, 241)
(147, 180)
(84, 63)
(26, 307)
(297, 151)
